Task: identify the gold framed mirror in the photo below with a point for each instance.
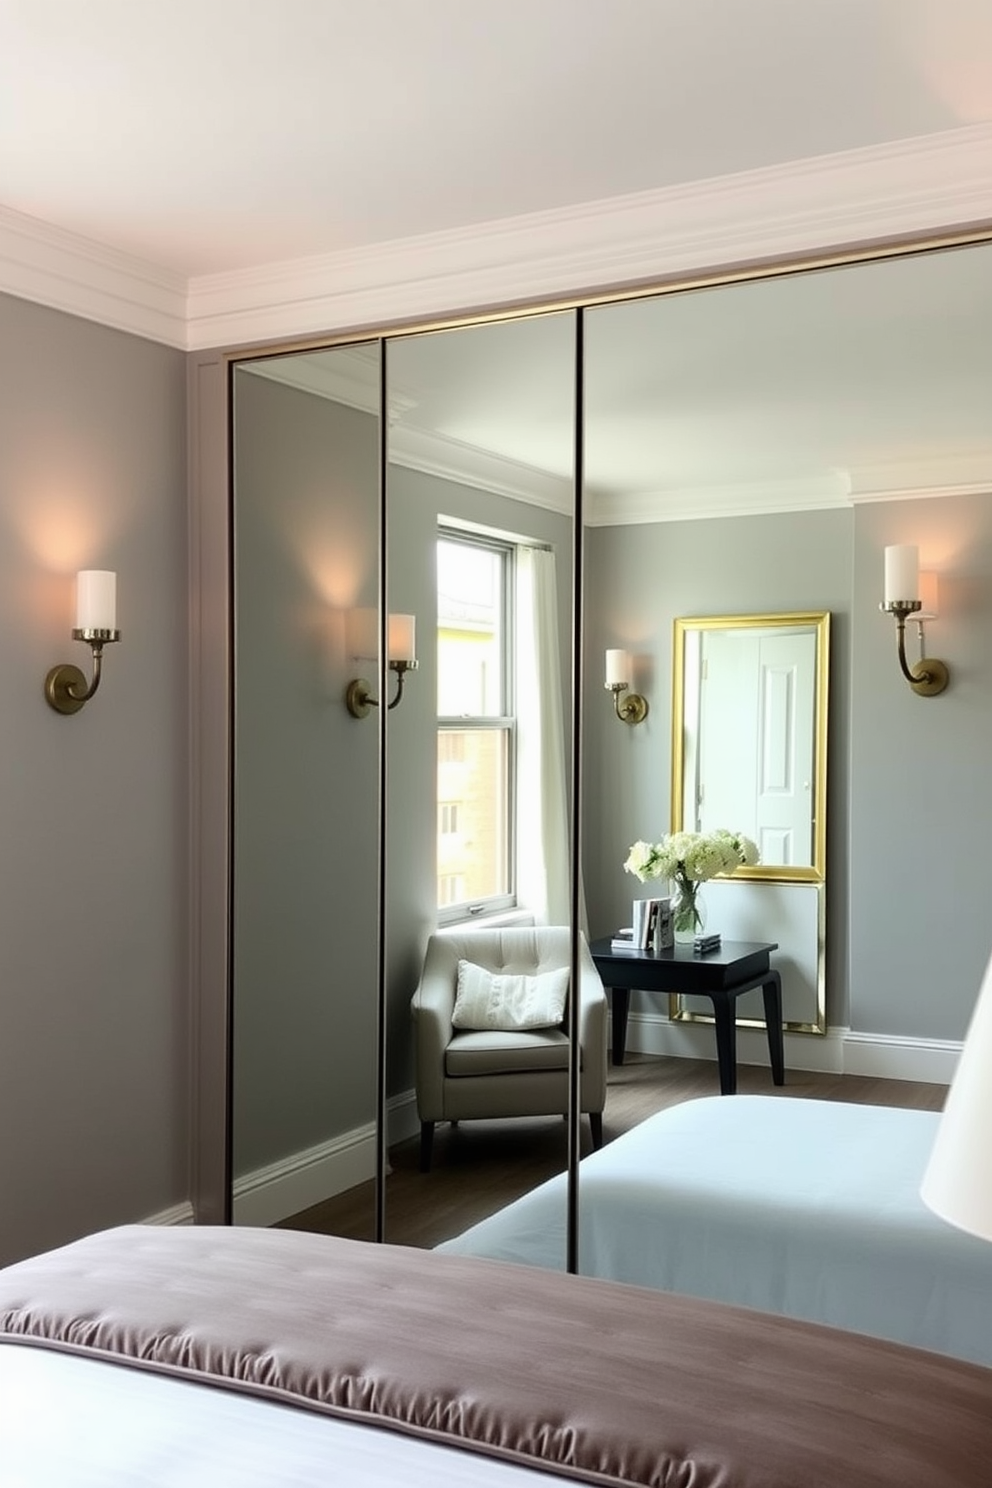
(749, 736)
(749, 753)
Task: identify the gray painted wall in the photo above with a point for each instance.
(910, 806)
(94, 809)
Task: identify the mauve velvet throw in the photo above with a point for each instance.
(588, 1379)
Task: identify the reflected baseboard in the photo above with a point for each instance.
(302, 1179)
(840, 1051)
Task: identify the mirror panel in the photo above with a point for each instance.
(303, 950)
(479, 535)
(749, 735)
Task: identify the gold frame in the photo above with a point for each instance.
(819, 622)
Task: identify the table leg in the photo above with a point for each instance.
(725, 1014)
(771, 992)
(620, 1003)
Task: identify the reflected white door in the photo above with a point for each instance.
(758, 721)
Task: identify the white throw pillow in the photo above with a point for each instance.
(508, 1001)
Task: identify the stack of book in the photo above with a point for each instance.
(653, 929)
(704, 943)
(623, 940)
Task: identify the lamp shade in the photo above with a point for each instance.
(402, 638)
(617, 669)
(96, 599)
(902, 573)
(957, 1184)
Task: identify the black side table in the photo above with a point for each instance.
(721, 975)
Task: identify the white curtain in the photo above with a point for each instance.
(542, 804)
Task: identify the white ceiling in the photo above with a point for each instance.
(207, 136)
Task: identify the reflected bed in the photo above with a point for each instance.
(801, 1207)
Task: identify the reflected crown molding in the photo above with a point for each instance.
(351, 377)
(761, 498)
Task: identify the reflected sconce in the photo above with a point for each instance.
(66, 688)
(633, 708)
(363, 642)
(910, 593)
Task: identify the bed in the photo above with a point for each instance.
(806, 1208)
(210, 1356)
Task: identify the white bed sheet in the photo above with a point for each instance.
(806, 1208)
(73, 1422)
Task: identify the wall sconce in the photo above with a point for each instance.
(66, 687)
(634, 708)
(908, 592)
(363, 642)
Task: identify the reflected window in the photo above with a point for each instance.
(476, 725)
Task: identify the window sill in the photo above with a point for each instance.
(498, 921)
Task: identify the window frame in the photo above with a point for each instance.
(505, 722)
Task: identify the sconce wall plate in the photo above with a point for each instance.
(633, 708)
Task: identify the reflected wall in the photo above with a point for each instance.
(304, 1006)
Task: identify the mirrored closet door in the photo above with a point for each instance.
(305, 854)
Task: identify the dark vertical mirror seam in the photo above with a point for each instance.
(577, 918)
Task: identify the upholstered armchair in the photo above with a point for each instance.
(494, 1072)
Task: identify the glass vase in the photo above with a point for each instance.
(688, 911)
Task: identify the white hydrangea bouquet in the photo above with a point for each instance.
(688, 859)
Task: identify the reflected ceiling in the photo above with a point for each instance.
(782, 394)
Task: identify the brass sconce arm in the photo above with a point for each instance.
(633, 708)
(929, 676)
(66, 687)
(358, 695)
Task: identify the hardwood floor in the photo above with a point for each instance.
(479, 1166)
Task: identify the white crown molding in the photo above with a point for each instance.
(929, 186)
(67, 272)
(934, 185)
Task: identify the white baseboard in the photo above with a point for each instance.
(839, 1051)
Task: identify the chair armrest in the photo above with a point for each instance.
(593, 1010)
(432, 1009)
